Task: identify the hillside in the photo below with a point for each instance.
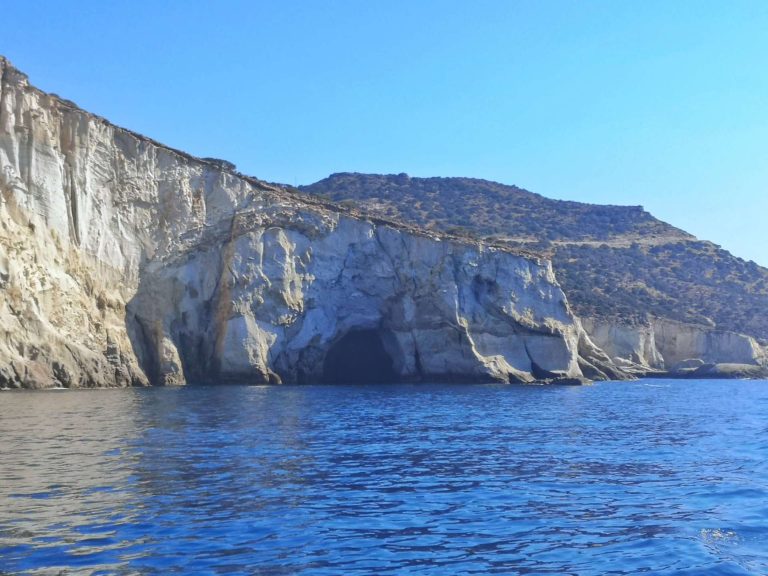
(614, 262)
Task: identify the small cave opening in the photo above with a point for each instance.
(359, 357)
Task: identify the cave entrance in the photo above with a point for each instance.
(359, 357)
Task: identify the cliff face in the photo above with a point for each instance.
(69, 259)
(272, 298)
(124, 262)
(664, 345)
(617, 264)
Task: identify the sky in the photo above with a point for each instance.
(656, 103)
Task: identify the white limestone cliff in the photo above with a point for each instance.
(666, 345)
(268, 300)
(124, 262)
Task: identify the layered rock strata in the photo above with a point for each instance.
(666, 347)
(124, 262)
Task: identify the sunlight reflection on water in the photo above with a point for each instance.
(406, 479)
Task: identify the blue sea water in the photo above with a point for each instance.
(647, 477)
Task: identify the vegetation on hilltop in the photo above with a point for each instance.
(612, 261)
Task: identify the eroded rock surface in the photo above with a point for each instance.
(268, 303)
(665, 346)
(124, 262)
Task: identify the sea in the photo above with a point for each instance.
(653, 477)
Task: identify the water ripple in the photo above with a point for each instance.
(616, 478)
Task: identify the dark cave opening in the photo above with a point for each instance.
(359, 357)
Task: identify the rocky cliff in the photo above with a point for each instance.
(617, 264)
(652, 296)
(664, 346)
(124, 262)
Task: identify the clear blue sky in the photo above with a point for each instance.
(660, 103)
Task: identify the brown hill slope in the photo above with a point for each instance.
(613, 261)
